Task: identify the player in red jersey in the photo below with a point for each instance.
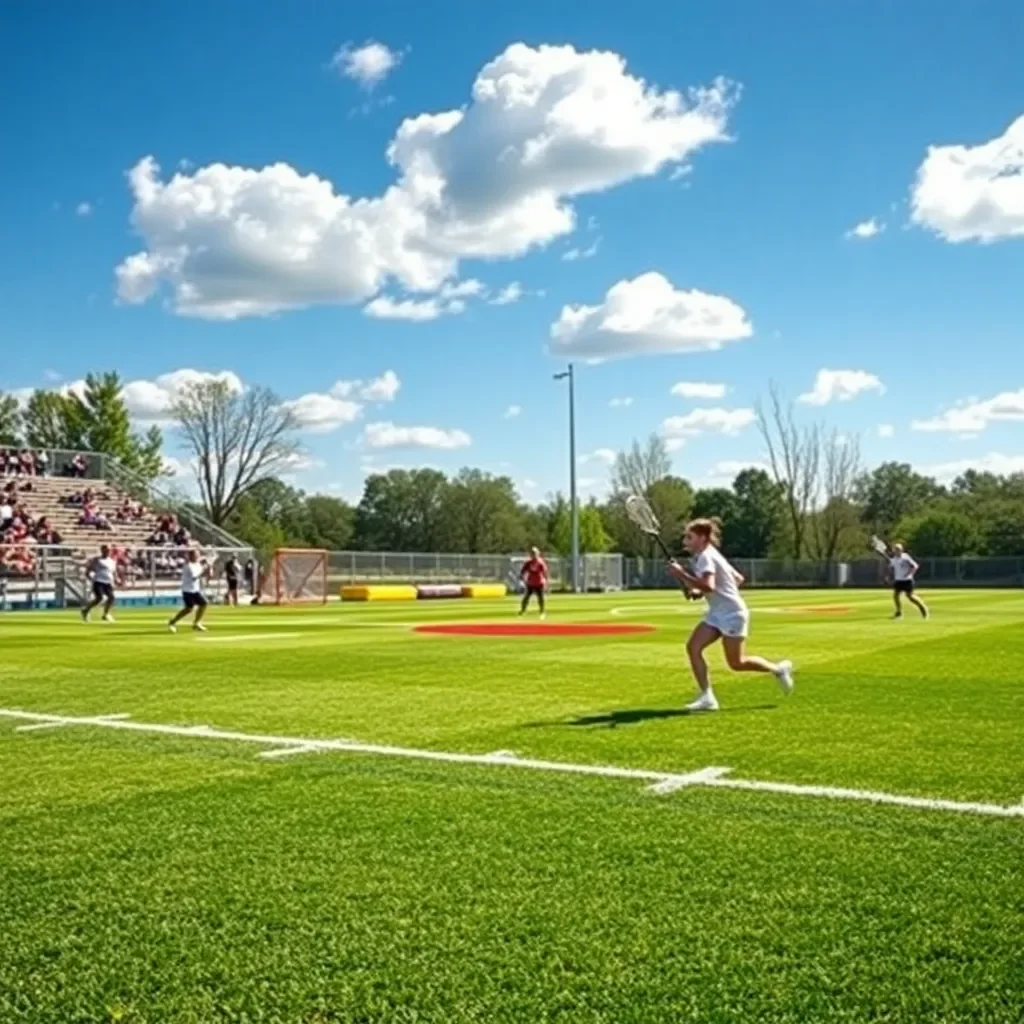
(534, 575)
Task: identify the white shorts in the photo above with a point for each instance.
(729, 623)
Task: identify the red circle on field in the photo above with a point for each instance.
(534, 629)
(825, 609)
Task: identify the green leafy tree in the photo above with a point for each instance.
(1002, 525)
(593, 537)
(482, 514)
(329, 522)
(402, 510)
(54, 420)
(9, 420)
(892, 492)
(939, 533)
(759, 506)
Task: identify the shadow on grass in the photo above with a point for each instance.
(631, 716)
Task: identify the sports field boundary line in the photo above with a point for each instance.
(658, 782)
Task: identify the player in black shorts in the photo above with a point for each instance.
(232, 574)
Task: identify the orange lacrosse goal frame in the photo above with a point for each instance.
(296, 575)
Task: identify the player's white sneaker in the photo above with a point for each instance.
(543, 616)
(85, 614)
(784, 675)
(171, 627)
(705, 702)
(109, 618)
(199, 627)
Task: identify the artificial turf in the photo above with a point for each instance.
(165, 878)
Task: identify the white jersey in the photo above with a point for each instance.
(192, 577)
(903, 567)
(104, 570)
(725, 599)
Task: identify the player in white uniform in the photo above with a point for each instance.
(728, 618)
(103, 573)
(192, 573)
(903, 569)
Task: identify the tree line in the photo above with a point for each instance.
(812, 499)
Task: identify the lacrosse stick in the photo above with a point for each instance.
(639, 510)
(879, 546)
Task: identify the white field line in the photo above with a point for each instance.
(658, 782)
(241, 638)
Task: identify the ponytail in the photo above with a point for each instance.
(710, 529)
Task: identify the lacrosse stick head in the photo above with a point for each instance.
(639, 510)
(879, 545)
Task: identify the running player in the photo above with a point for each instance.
(534, 575)
(103, 573)
(232, 571)
(728, 617)
(192, 573)
(902, 570)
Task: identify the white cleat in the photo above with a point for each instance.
(109, 618)
(705, 702)
(199, 627)
(171, 627)
(543, 616)
(85, 615)
(784, 675)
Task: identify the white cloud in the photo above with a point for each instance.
(647, 316)
(602, 456)
(321, 414)
(886, 430)
(301, 462)
(491, 179)
(574, 254)
(840, 386)
(586, 483)
(513, 411)
(150, 401)
(368, 65)
(673, 444)
(512, 292)
(388, 435)
(866, 229)
(620, 403)
(993, 462)
(973, 416)
(529, 485)
(698, 389)
(418, 310)
(704, 421)
(973, 193)
(380, 389)
(83, 209)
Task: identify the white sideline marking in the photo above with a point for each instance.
(662, 782)
(35, 727)
(239, 638)
(303, 748)
(698, 778)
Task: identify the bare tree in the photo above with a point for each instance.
(838, 517)
(794, 454)
(236, 440)
(638, 469)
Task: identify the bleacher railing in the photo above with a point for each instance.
(100, 466)
(56, 576)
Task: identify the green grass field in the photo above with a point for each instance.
(167, 878)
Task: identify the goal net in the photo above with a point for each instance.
(296, 575)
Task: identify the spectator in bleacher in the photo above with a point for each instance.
(6, 513)
(26, 463)
(77, 467)
(11, 463)
(42, 463)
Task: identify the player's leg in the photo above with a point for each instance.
(181, 612)
(94, 602)
(541, 602)
(108, 604)
(917, 602)
(897, 599)
(197, 622)
(738, 660)
(702, 637)
(525, 603)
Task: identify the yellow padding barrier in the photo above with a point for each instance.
(484, 590)
(382, 592)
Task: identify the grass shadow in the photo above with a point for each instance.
(633, 716)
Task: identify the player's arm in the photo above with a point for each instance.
(738, 577)
(705, 583)
(913, 566)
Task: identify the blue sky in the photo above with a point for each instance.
(844, 192)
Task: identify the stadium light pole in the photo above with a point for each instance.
(574, 504)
